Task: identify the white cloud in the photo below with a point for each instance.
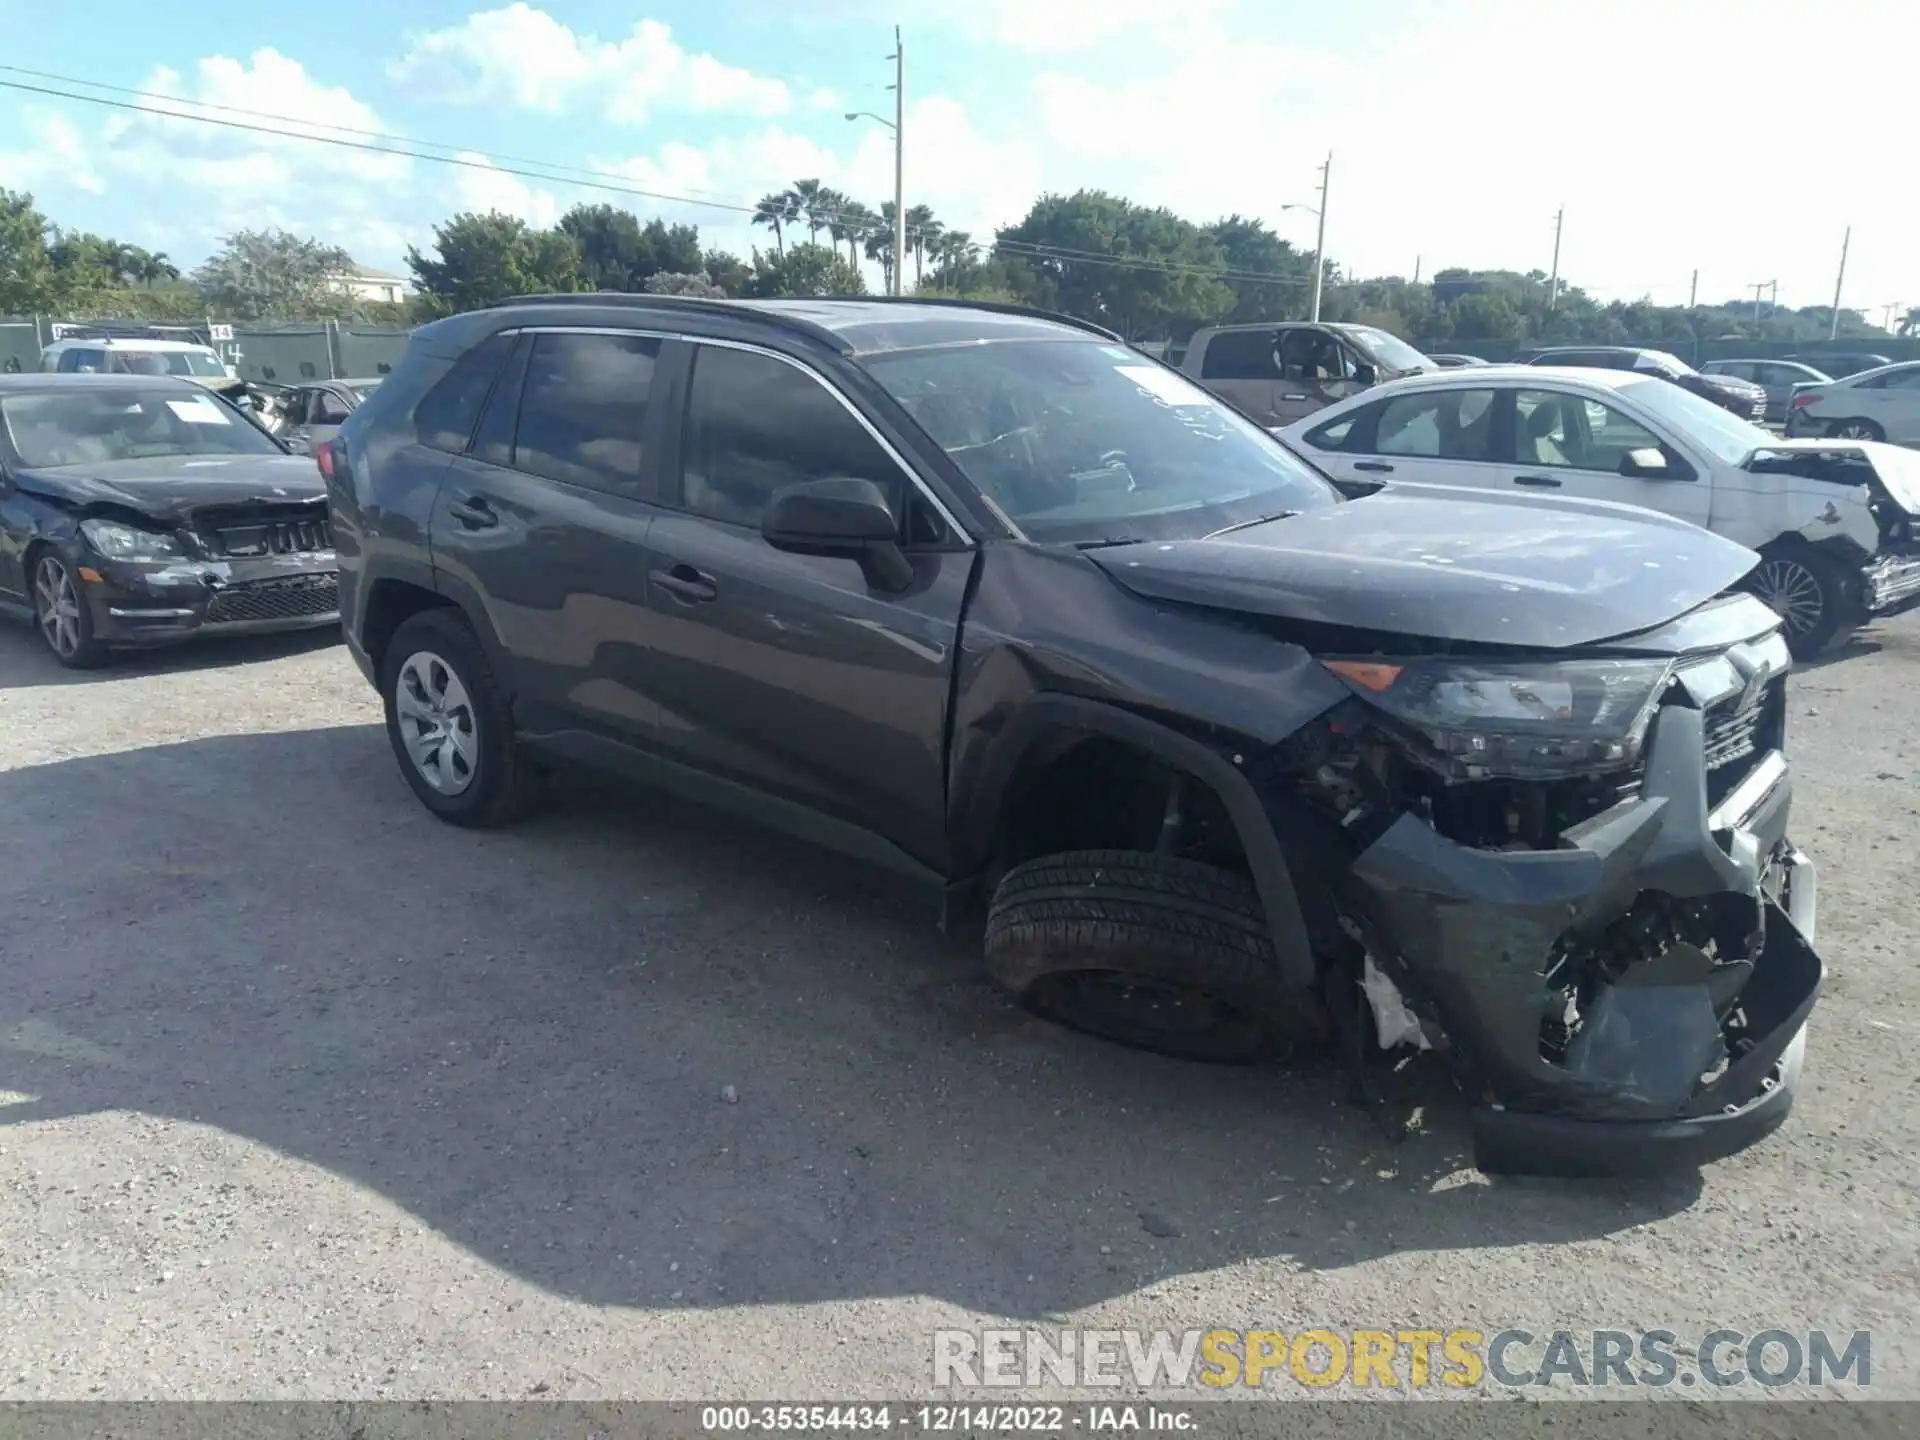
(54, 153)
(525, 57)
(480, 185)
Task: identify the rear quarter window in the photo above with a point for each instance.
(448, 412)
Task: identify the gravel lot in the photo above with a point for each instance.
(303, 1094)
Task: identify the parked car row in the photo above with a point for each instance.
(1240, 742)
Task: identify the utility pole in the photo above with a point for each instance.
(899, 58)
(1553, 285)
(1320, 238)
(1887, 324)
(1833, 328)
(1757, 287)
(1416, 269)
(1693, 290)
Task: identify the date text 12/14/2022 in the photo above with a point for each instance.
(957, 1419)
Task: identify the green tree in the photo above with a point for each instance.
(270, 275)
(923, 232)
(879, 244)
(727, 271)
(806, 269)
(614, 253)
(777, 211)
(1153, 270)
(814, 203)
(857, 223)
(26, 271)
(483, 259)
(1248, 247)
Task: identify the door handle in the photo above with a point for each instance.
(1539, 482)
(686, 584)
(474, 512)
(1373, 466)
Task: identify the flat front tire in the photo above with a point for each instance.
(450, 725)
(1145, 950)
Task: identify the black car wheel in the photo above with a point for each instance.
(60, 613)
(1809, 594)
(450, 727)
(1855, 430)
(1148, 951)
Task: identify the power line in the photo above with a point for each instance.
(405, 148)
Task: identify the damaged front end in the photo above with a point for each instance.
(1577, 871)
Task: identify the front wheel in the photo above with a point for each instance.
(1146, 950)
(450, 725)
(1808, 593)
(61, 616)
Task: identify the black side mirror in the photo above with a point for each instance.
(1365, 374)
(842, 517)
(1646, 464)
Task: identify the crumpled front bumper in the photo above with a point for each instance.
(1890, 583)
(1474, 931)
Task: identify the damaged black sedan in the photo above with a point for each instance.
(1232, 758)
(140, 511)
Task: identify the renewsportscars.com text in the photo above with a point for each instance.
(1400, 1359)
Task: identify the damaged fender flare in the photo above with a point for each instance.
(1050, 716)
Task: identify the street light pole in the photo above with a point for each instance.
(1553, 284)
(1833, 328)
(1320, 237)
(899, 163)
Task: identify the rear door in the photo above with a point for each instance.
(1242, 367)
(790, 673)
(1441, 436)
(544, 524)
(1893, 403)
(1569, 443)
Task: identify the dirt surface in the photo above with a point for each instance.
(304, 1094)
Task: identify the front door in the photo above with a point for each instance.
(543, 523)
(791, 673)
(1444, 436)
(1316, 369)
(1567, 443)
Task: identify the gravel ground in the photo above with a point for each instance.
(303, 1094)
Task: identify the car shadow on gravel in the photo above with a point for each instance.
(25, 663)
(640, 1054)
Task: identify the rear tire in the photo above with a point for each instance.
(1855, 430)
(450, 725)
(1145, 950)
(1809, 593)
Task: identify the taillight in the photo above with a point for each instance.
(323, 457)
(1800, 402)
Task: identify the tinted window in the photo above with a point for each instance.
(328, 408)
(1446, 425)
(1553, 428)
(493, 441)
(1309, 355)
(1333, 436)
(74, 361)
(95, 426)
(583, 409)
(445, 416)
(1239, 355)
(755, 425)
(1904, 379)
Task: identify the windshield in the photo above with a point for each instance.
(1388, 351)
(1660, 359)
(1087, 443)
(1723, 435)
(366, 388)
(201, 363)
(98, 426)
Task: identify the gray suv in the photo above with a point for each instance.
(1235, 761)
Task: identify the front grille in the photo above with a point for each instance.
(1740, 729)
(305, 536)
(293, 597)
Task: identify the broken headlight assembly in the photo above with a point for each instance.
(1533, 720)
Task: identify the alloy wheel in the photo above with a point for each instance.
(57, 607)
(437, 723)
(1794, 593)
(1854, 430)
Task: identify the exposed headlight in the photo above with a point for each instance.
(129, 542)
(1539, 720)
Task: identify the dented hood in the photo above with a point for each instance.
(1897, 467)
(170, 488)
(1448, 569)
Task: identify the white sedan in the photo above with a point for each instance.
(1837, 523)
(1882, 404)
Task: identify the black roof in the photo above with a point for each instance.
(857, 324)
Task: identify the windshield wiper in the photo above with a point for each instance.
(1249, 524)
(1106, 542)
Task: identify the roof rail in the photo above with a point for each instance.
(698, 303)
(999, 307)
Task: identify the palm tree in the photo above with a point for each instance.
(1909, 324)
(857, 222)
(779, 209)
(832, 210)
(922, 232)
(880, 244)
(813, 201)
(951, 254)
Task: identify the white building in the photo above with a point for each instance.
(363, 282)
